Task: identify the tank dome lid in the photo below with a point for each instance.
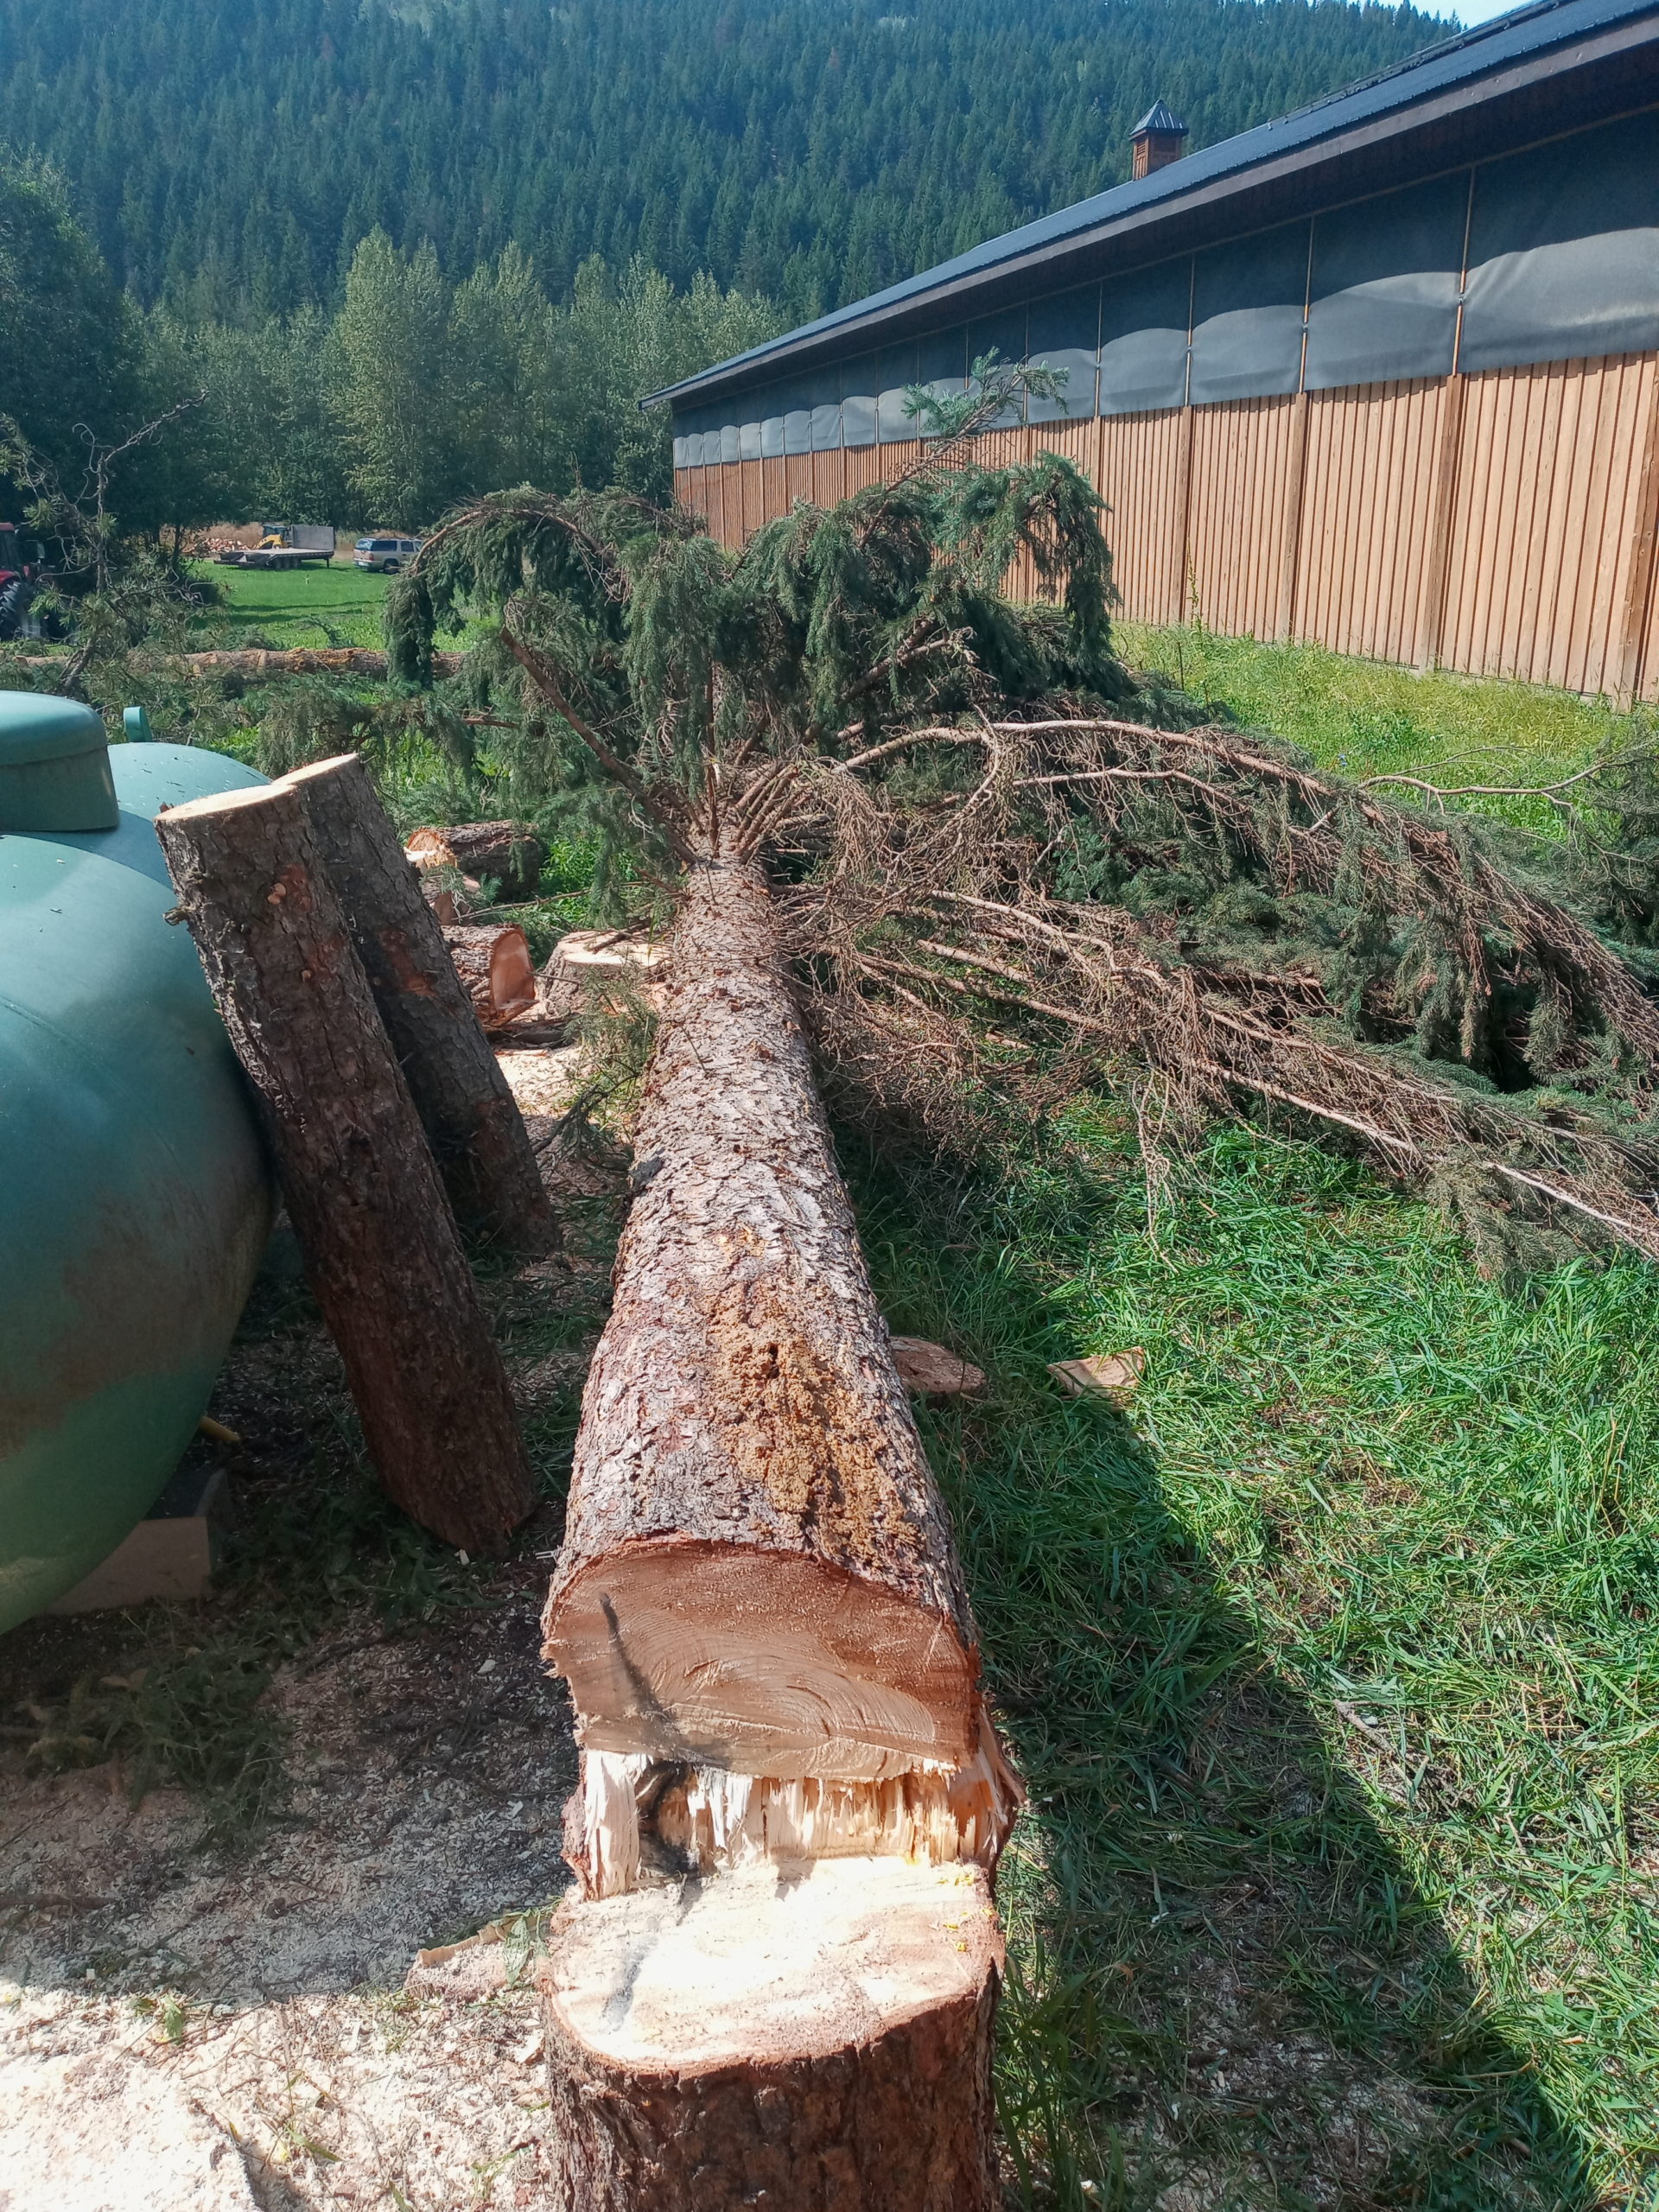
(35, 727)
(54, 766)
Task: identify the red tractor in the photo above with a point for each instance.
(21, 559)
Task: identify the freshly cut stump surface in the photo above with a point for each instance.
(815, 2038)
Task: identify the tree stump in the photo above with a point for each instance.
(822, 2044)
(381, 1249)
(470, 1117)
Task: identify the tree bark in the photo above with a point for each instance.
(470, 1117)
(749, 1480)
(382, 1252)
(493, 965)
(778, 1983)
(509, 851)
(821, 2046)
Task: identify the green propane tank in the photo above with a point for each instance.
(135, 1195)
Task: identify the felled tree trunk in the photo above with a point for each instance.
(761, 1617)
(470, 1117)
(510, 852)
(256, 664)
(495, 970)
(381, 1249)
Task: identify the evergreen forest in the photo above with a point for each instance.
(228, 161)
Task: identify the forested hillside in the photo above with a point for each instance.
(229, 158)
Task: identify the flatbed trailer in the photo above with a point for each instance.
(302, 542)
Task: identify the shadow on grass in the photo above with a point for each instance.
(1224, 1991)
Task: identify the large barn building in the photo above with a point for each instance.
(1383, 375)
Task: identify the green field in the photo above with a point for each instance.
(336, 606)
(1367, 718)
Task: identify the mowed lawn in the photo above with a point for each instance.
(1367, 718)
(1333, 1666)
(336, 606)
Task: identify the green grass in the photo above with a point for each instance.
(335, 606)
(1368, 718)
(1331, 1671)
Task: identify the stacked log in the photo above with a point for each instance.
(761, 1617)
(255, 664)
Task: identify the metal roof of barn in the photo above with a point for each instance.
(1527, 75)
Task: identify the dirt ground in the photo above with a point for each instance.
(188, 2020)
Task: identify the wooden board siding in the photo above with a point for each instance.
(1500, 523)
(1141, 475)
(1236, 506)
(1544, 521)
(1367, 499)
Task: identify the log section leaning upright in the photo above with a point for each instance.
(761, 1617)
(469, 1113)
(381, 1248)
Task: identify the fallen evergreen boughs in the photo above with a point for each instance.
(999, 874)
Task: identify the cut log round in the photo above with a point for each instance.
(494, 966)
(468, 1112)
(822, 2044)
(381, 1249)
(758, 1573)
(510, 852)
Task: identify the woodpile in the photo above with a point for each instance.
(761, 1617)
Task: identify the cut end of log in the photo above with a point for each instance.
(817, 2035)
(759, 1661)
(429, 849)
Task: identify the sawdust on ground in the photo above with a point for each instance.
(185, 2028)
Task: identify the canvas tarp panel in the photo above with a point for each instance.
(1004, 336)
(1143, 322)
(791, 398)
(1564, 250)
(942, 360)
(1248, 308)
(858, 397)
(1386, 277)
(895, 372)
(1064, 333)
